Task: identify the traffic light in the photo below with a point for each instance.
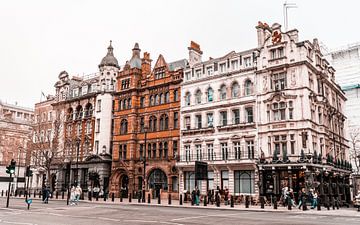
(29, 172)
(10, 169)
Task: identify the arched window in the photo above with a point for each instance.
(187, 98)
(120, 104)
(88, 110)
(248, 87)
(152, 123)
(129, 103)
(157, 100)
(124, 104)
(223, 92)
(162, 99)
(198, 97)
(164, 122)
(210, 94)
(123, 126)
(167, 97)
(151, 100)
(235, 90)
(79, 112)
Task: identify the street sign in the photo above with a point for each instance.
(201, 170)
(29, 201)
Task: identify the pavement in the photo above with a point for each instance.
(104, 213)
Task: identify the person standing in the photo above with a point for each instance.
(226, 196)
(78, 192)
(47, 195)
(302, 198)
(72, 195)
(314, 200)
(197, 196)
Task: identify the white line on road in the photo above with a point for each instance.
(19, 223)
(196, 217)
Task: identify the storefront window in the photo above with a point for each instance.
(244, 182)
(224, 179)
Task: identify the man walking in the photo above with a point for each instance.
(78, 192)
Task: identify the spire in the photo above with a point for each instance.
(110, 49)
(136, 50)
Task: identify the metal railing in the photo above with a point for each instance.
(222, 156)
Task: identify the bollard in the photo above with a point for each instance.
(40, 194)
(97, 197)
(113, 197)
(318, 204)
(20, 193)
(246, 201)
(159, 199)
(275, 202)
(34, 194)
(105, 197)
(169, 199)
(205, 200)
(149, 199)
(139, 197)
(180, 200)
(6, 193)
(232, 201)
(121, 197)
(337, 203)
(16, 193)
(2, 193)
(333, 202)
(327, 202)
(217, 200)
(262, 202)
(57, 195)
(89, 196)
(289, 203)
(130, 197)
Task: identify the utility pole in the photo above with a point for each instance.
(287, 6)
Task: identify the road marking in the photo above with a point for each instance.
(19, 223)
(211, 215)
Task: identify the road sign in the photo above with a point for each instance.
(29, 201)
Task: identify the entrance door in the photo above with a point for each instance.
(124, 186)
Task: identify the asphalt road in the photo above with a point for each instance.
(57, 213)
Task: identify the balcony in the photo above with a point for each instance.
(195, 131)
(214, 157)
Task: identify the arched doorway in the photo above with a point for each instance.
(157, 181)
(124, 185)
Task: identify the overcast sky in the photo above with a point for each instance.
(39, 39)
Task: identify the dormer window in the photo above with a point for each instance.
(234, 64)
(198, 73)
(222, 67)
(277, 53)
(160, 73)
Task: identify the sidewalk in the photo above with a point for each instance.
(342, 212)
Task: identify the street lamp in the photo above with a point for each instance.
(77, 162)
(144, 161)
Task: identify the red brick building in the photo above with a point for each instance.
(146, 124)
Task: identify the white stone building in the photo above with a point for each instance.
(296, 134)
(218, 122)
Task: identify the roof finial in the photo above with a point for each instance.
(110, 42)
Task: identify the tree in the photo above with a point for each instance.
(45, 151)
(355, 148)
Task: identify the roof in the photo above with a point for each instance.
(179, 64)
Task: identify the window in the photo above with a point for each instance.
(210, 119)
(249, 117)
(160, 150)
(244, 182)
(320, 115)
(175, 149)
(248, 87)
(223, 92)
(235, 90)
(210, 151)
(176, 95)
(223, 118)
(279, 81)
(176, 120)
(280, 144)
(292, 143)
(187, 98)
(247, 61)
(222, 67)
(99, 105)
(124, 106)
(187, 122)
(154, 150)
(224, 179)
(97, 147)
(166, 150)
(149, 151)
(210, 180)
(142, 102)
(237, 149)
(198, 73)
(224, 151)
(210, 95)
(122, 152)
(209, 70)
(162, 99)
(187, 75)
(152, 123)
(129, 103)
(187, 153)
(291, 110)
(198, 152)
(198, 121)
(142, 124)
(167, 97)
(157, 101)
(164, 122)
(125, 84)
(250, 149)
(198, 97)
(79, 129)
(152, 100)
(123, 127)
(236, 116)
(234, 64)
(277, 53)
(279, 111)
(97, 125)
(160, 73)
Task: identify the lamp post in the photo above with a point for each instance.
(77, 162)
(144, 161)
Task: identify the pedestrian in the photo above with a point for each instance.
(47, 195)
(72, 195)
(193, 194)
(291, 197)
(96, 192)
(302, 197)
(78, 192)
(314, 200)
(197, 196)
(226, 196)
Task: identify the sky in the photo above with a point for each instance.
(39, 39)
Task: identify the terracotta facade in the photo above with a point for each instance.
(146, 99)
